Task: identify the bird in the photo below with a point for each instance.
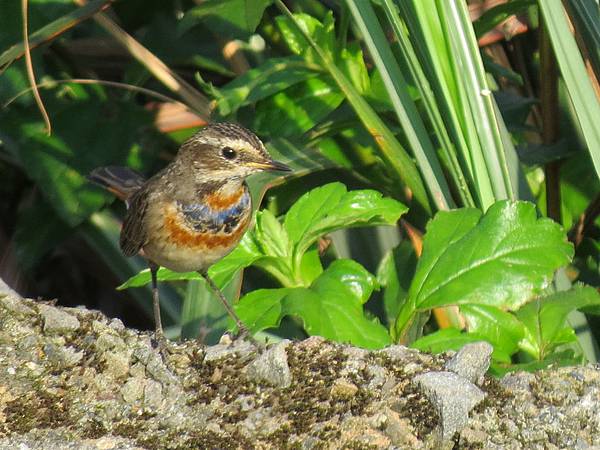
(193, 212)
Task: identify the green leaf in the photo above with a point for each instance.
(332, 307)
(504, 259)
(545, 319)
(231, 18)
(262, 309)
(310, 267)
(331, 207)
(143, 278)
(322, 33)
(256, 84)
(271, 236)
(298, 108)
(452, 339)
(500, 328)
(395, 273)
(352, 63)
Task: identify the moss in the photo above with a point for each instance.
(308, 400)
(219, 378)
(496, 396)
(36, 409)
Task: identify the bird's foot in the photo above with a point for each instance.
(161, 343)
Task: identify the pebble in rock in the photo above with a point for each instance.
(272, 367)
(57, 320)
(472, 361)
(453, 397)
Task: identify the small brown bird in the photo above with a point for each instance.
(194, 211)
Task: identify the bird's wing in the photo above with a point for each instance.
(133, 233)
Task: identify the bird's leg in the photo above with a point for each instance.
(243, 330)
(155, 302)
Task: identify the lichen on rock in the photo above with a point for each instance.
(72, 378)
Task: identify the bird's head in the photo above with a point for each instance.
(227, 150)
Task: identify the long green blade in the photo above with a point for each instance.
(391, 150)
(405, 109)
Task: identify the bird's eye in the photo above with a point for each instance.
(228, 152)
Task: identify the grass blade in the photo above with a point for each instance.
(433, 52)
(391, 150)
(405, 109)
(479, 96)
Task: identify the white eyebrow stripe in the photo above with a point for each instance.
(224, 142)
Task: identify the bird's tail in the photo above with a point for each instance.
(121, 181)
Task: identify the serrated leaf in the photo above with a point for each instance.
(271, 236)
(332, 307)
(331, 207)
(545, 319)
(505, 258)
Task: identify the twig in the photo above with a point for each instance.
(29, 66)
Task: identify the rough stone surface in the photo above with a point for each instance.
(87, 382)
(453, 397)
(57, 320)
(271, 367)
(472, 361)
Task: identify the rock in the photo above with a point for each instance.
(472, 361)
(271, 367)
(519, 382)
(117, 364)
(153, 395)
(238, 348)
(453, 397)
(343, 389)
(6, 290)
(133, 390)
(14, 303)
(104, 386)
(62, 357)
(57, 321)
(400, 430)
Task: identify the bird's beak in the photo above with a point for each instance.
(270, 165)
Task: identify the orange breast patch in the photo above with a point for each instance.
(180, 235)
(220, 201)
